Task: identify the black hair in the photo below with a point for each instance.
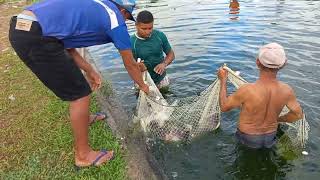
(145, 17)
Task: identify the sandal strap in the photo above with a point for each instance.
(102, 153)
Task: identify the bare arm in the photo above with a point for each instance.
(160, 68)
(78, 59)
(295, 111)
(169, 58)
(133, 69)
(228, 102)
(92, 76)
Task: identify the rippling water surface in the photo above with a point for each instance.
(204, 36)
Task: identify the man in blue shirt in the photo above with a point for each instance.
(45, 36)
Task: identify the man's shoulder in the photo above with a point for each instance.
(246, 86)
(133, 36)
(246, 89)
(285, 87)
(280, 87)
(284, 84)
(158, 32)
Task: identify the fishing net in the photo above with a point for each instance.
(186, 118)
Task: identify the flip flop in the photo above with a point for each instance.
(96, 115)
(103, 152)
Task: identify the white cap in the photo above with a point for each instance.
(272, 56)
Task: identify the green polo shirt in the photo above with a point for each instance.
(151, 51)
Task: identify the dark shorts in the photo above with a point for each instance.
(49, 61)
(257, 141)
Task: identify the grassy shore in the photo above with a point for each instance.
(35, 133)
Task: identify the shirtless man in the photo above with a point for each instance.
(261, 102)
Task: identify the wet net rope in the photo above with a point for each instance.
(189, 117)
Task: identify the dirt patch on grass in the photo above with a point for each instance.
(6, 12)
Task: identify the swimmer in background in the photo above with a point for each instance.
(234, 7)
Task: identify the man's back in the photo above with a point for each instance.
(262, 104)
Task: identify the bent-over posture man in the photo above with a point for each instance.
(261, 102)
(45, 36)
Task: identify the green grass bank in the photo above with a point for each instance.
(35, 132)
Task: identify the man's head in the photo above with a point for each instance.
(126, 7)
(234, 4)
(144, 24)
(272, 56)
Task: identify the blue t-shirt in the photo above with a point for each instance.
(82, 23)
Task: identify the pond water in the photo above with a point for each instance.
(204, 35)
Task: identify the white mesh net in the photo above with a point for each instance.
(191, 116)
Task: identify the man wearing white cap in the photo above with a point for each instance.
(261, 102)
(45, 36)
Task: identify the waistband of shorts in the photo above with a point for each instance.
(257, 141)
(256, 135)
(26, 17)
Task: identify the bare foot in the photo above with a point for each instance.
(94, 158)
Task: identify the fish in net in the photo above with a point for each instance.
(189, 117)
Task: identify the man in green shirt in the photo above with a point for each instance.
(150, 45)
